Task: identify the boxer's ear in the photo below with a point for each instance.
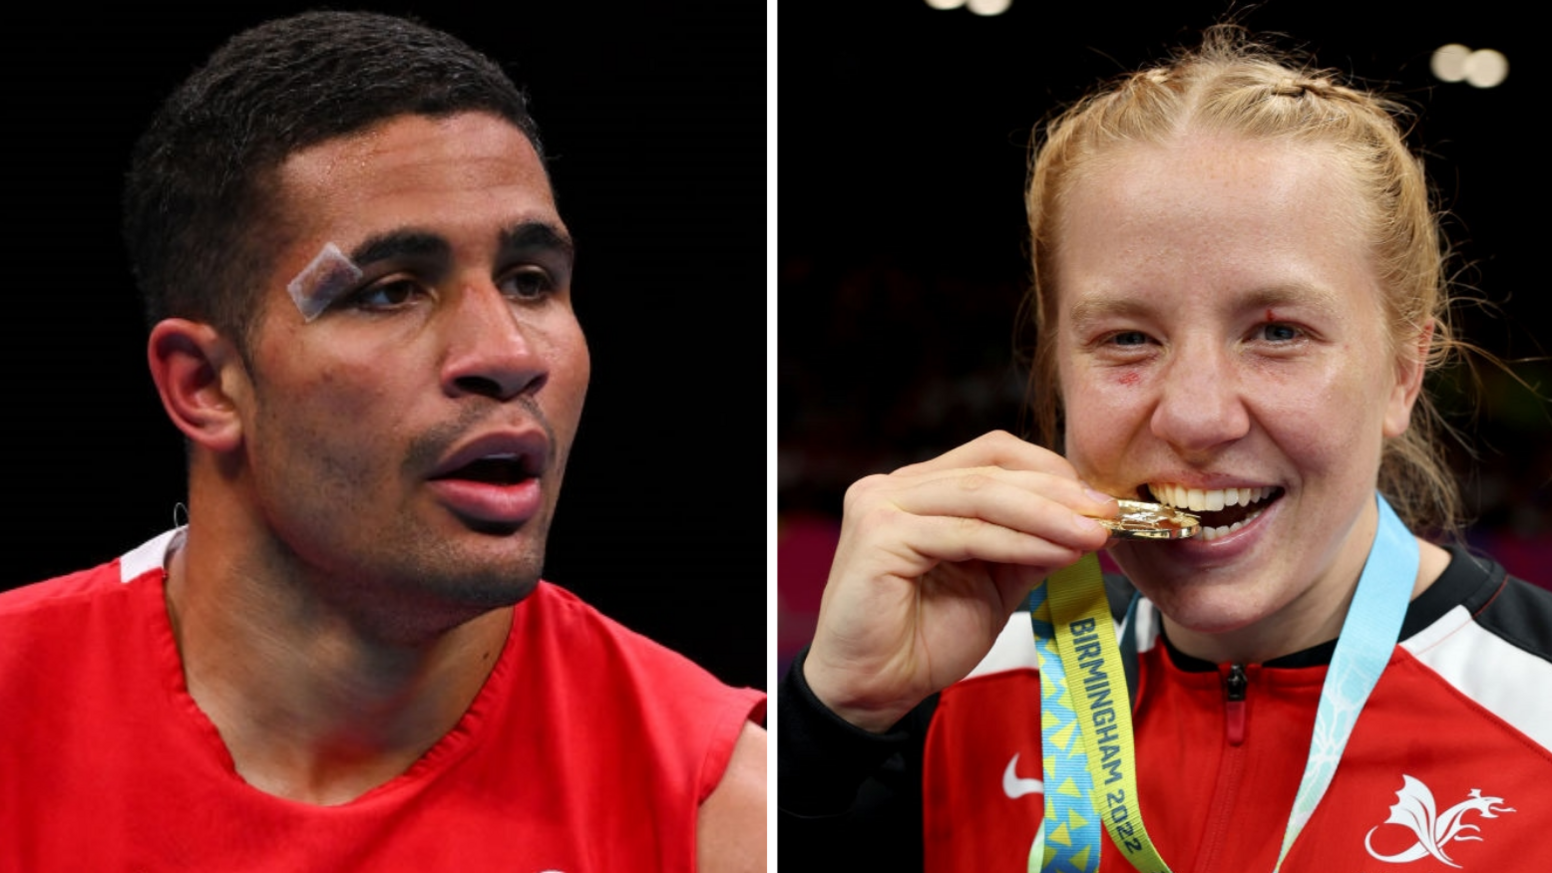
(202, 381)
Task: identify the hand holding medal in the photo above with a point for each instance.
(933, 558)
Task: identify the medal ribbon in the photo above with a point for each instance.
(1070, 827)
(1077, 617)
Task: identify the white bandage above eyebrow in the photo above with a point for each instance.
(322, 281)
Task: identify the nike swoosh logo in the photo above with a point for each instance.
(1015, 787)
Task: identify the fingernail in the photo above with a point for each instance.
(1098, 496)
(1088, 525)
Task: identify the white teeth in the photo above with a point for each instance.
(1211, 533)
(1209, 500)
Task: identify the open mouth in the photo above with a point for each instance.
(496, 469)
(1222, 510)
(494, 492)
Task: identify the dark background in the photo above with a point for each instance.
(654, 117)
(904, 137)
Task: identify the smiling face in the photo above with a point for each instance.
(407, 445)
(1219, 331)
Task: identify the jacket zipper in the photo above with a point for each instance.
(1234, 720)
(1236, 728)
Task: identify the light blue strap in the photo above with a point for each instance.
(1070, 828)
(1368, 638)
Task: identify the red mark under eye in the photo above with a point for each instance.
(1129, 378)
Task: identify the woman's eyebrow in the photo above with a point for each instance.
(1320, 298)
(1101, 306)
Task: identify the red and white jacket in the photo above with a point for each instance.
(1447, 768)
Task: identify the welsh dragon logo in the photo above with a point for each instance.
(1415, 810)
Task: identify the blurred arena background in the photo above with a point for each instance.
(903, 140)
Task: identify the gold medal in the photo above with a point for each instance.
(1151, 521)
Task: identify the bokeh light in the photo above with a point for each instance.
(1485, 68)
(989, 7)
(1449, 62)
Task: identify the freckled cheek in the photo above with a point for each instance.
(1323, 417)
(1103, 411)
(1112, 390)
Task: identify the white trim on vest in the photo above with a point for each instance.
(150, 555)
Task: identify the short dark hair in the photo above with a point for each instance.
(199, 223)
